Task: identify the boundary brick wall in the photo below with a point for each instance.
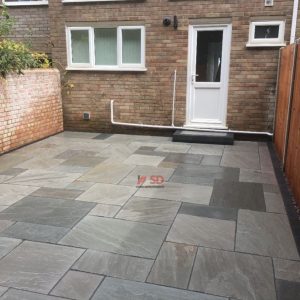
(31, 26)
(146, 97)
(30, 107)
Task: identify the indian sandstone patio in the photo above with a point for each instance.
(74, 224)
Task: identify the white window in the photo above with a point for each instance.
(106, 48)
(25, 2)
(266, 34)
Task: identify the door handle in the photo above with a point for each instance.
(194, 77)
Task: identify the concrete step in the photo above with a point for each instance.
(203, 137)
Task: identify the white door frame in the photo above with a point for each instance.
(192, 47)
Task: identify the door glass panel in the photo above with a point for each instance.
(209, 56)
(266, 32)
(80, 46)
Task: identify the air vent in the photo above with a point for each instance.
(269, 2)
(86, 116)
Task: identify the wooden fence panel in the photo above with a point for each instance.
(292, 166)
(283, 96)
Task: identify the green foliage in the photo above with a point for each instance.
(6, 22)
(16, 56)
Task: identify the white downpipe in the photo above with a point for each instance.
(294, 22)
(174, 97)
(172, 126)
(178, 127)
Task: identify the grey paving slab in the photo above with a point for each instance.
(5, 224)
(3, 290)
(132, 178)
(114, 265)
(47, 211)
(147, 148)
(149, 210)
(117, 289)
(76, 134)
(257, 176)
(241, 159)
(173, 265)
(35, 232)
(178, 192)
(271, 188)
(144, 160)
(4, 178)
(105, 210)
(44, 178)
(36, 266)
(108, 194)
(274, 203)
(83, 161)
(245, 195)
(10, 193)
(183, 158)
(222, 213)
(287, 269)
(70, 153)
(107, 173)
(118, 236)
(79, 185)
(39, 163)
(265, 234)
(10, 160)
(70, 169)
(243, 146)
(232, 274)
(102, 136)
(174, 147)
(211, 160)
(13, 294)
(12, 171)
(56, 193)
(77, 285)
(287, 290)
(202, 231)
(266, 163)
(207, 149)
(7, 245)
(3, 207)
(204, 174)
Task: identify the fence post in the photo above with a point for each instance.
(291, 93)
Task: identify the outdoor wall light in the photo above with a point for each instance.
(167, 21)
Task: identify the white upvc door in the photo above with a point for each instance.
(208, 75)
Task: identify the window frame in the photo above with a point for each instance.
(91, 66)
(25, 3)
(266, 42)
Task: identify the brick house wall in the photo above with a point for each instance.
(30, 109)
(146, 96)
(31, 26)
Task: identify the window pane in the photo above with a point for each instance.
(209, 56)
(106, 46)
(266, 32)
(80, 46)
(131, 46)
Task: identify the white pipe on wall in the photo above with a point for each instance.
(294, 21)
(179, 127)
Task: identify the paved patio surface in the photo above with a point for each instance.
(124, 217)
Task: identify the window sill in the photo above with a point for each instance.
(107, 69)
(87, 1)
(266, 45)
(26, 3)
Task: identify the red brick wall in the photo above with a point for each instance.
(146, 96)
(30, 108)
(31, 26)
